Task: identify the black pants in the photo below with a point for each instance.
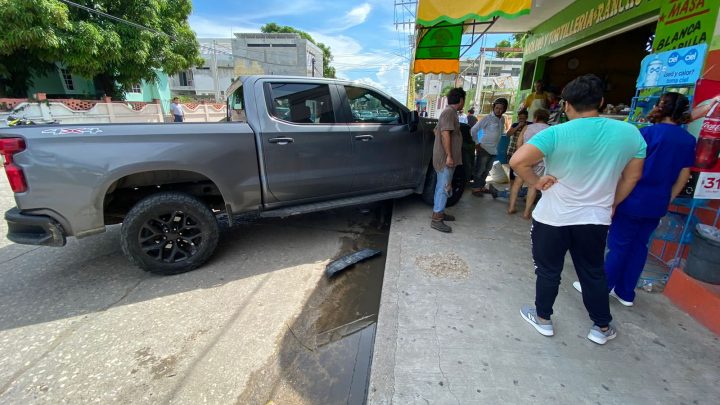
(586, 244)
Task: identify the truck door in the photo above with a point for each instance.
(386, 153)
(305, 151)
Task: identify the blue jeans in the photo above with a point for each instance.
(178, 118)
(443, 189)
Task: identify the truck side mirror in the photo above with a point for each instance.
(414, 117)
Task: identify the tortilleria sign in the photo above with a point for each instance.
(685, 23)
(584, 19)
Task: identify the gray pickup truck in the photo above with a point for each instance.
(291, 145)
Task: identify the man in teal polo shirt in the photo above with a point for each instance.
(588, 161)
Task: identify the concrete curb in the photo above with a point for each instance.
(382, 372)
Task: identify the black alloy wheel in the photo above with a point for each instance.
(169, 233)
(170, 237)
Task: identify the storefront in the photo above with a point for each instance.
(606, 38)
(640, 49)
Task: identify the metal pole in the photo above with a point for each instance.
(216, 83)
(480, 75)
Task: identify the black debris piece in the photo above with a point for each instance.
(348, 260)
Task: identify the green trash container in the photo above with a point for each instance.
(703, 261)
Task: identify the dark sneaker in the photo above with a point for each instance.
(545, 327)
(601, 337)
(440, 226)
(493, 191)
(448, 217)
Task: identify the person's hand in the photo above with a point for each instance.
(449, 162)
(545, 183)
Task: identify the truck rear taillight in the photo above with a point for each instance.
(8, 148)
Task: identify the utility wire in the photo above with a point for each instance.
(346, 66)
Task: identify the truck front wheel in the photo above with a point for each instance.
(458, 186)
(169, 233)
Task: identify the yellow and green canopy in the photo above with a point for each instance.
(441, 24)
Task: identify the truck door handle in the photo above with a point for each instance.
(364, 138)
(281, 140)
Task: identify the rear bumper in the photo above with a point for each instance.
(34, 229)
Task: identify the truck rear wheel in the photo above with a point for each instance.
(169, 233)
(458, 186)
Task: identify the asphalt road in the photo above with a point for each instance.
(79, 324)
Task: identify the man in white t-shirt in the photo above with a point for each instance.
(176, 110)
(493, 126)
(592, 164)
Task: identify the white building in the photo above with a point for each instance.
(498, 74)
(214, 76)
(276, 54)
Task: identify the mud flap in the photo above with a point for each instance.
(346, 261)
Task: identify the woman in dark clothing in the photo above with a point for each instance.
(670, 154)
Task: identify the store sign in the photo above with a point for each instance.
(685, 23)
(708, 186)
(592, 17)
(678, 67)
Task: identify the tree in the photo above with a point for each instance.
(503, 44)
(37, 34)
(328, 71)
(419, 83)
(519, 42)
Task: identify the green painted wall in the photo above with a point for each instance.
(160, 89)
(52, 84)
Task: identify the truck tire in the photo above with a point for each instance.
(169, 233)
(458, 186)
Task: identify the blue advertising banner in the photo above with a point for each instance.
(676, 67)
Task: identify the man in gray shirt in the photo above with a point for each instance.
(493, 126)
(447, 154)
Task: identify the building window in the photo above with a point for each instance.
(135, 88)
(186, 78)
(67, 79)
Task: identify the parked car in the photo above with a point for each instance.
(290, 146)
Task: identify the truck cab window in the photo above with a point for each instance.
(236, 106)
(368, 106)
(301, 103)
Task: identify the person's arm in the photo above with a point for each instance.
(629, 178)
(702, 110)
(477, 127)
(522, 162)
(680, 182)
(514, 129)
(521, 138)
(525, 104)
(447, 145)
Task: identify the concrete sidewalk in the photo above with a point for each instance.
(450, 330)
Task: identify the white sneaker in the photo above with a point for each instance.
(578, 287)
(620, 300)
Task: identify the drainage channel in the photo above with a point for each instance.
(326, 354)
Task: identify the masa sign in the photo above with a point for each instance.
(685, 23)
